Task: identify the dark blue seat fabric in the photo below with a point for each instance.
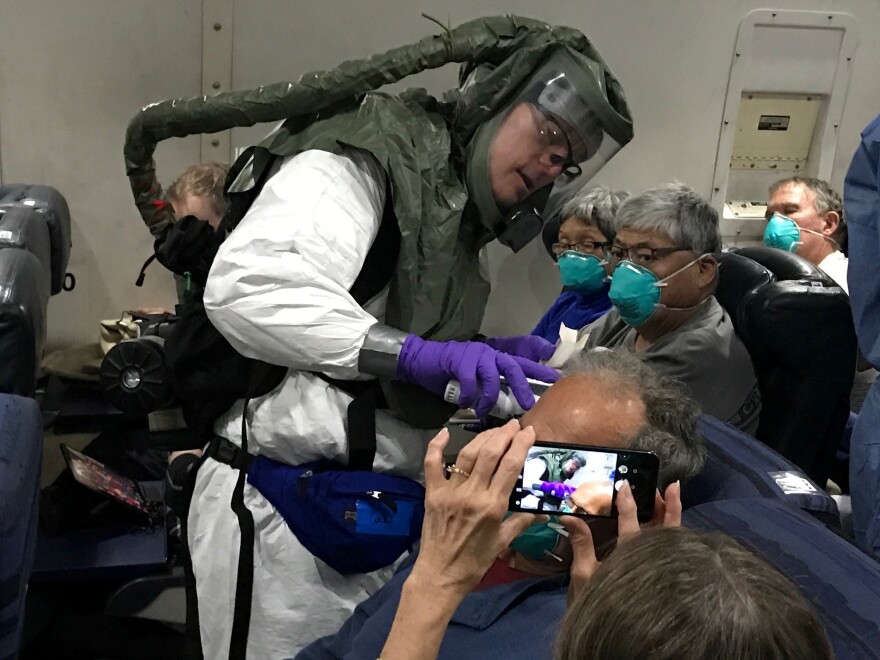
(841, 582)
(740, 467)
(21, 452)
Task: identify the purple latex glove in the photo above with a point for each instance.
(478, 367)
(556, 489)
(530, 347)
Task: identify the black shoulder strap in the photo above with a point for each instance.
(376, 273)
(244, 583)
(261, 162)
(381, 261)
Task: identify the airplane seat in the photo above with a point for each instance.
(738, 279)
(839, 580)
(24, 296)
(801, 338)
(52, 207)
(550, 234)
(34, 253)
(785, 265)
(21, 453)
(740, 467)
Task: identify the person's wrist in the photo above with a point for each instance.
(444, 593)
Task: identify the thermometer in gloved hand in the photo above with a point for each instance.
(506, 406)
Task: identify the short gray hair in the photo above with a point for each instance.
(670, 428)
(676, 210)
(598, 205)
(699, 596)
(825, 199)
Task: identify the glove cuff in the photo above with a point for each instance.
(381, 350)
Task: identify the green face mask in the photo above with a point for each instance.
(537, 541)
(582, 273)
(782, 233)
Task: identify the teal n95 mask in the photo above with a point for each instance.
(783, 233)
(538, 541)
(635, 291)
(581, 273)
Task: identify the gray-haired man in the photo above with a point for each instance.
(806, 216)
(664, 309)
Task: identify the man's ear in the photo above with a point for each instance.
(708, 266)
(832, 222)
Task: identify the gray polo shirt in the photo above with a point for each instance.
(704, 355)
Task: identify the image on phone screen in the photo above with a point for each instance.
(101, 479)
(560, 479)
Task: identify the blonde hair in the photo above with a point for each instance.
(202, 180)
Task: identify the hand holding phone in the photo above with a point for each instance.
(667, 513)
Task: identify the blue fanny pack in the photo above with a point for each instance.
(354, 521)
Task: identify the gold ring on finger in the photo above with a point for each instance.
(454, 469)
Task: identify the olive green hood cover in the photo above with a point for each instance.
(438, 290)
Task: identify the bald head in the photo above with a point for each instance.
(580, 409)
(613, 399)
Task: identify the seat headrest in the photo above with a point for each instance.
(738, 278)
(550, 234)
(777, 326)
(785, 265)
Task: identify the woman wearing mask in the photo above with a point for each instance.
(584, 237)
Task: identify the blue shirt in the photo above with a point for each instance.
(575, 310)
(862, 199)
(515, 620)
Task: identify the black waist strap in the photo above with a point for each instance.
(223, 451)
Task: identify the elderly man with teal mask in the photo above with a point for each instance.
(806, 216)
(580, 249)
(604, 399)
(662, 290)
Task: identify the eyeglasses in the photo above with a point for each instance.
(584, 247)
(642, 255)
(552, 138)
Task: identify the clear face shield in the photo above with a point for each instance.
(577, 132)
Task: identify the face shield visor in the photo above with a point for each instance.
(571, 129)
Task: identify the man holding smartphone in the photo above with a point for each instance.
(605, 399)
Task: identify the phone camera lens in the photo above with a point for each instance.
(624, 456)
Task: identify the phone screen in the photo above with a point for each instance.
(559, 479)
(98, 477)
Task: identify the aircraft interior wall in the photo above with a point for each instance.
(74, 73)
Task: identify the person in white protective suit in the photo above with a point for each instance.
(279, 291)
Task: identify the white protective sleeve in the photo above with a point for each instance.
(532, 471)
(278, 287)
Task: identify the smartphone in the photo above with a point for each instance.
(101, 479)
(559, 479)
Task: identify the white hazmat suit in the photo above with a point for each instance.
(278, 292)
